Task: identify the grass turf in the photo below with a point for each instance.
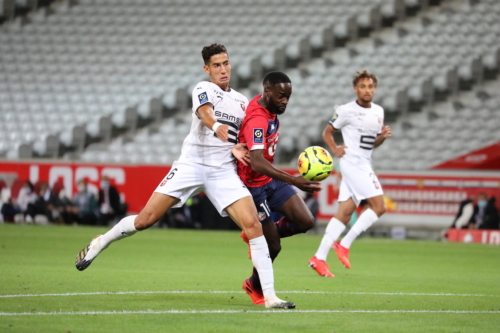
(40, 260)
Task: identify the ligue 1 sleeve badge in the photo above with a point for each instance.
(258, 135)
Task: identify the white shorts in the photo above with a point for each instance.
(221, 184)
(358, 182)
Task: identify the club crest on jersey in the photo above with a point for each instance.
(203, 97)
(243, 107)
(380, 120)
(258, 135)
(163, 182)
(272, 127)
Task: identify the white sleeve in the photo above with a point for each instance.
(202, 94)
(381, 123)
(464, 219)
(339, 118)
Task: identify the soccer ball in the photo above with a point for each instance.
(315, 163)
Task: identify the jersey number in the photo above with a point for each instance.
(266, 208)
(367, 142)
(171, 174)
(272, 148)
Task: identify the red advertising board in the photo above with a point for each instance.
(474, 236)
(134, 182)
(426, 193)
(486, 158)
(439, 192)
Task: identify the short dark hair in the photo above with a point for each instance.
(275, 78)
(210, 50)
(364, 74)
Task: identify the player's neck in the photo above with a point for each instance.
(262, 102)
(223, 86)
(363, 104)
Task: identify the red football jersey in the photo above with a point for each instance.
(260, 130)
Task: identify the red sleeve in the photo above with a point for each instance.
(254, 132)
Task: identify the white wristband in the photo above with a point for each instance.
(216, 126)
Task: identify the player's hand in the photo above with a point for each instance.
(306, 185)
(339, 151)
(386, 132)
(222, 133)
(241, 153)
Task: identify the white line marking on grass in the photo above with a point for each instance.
(241, 292)
(234, 312)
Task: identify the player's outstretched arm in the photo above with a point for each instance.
(386, 133)
(338, 151)
(206, 115)
(264, 167)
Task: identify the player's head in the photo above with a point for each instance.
(277, 92)
(364, 84)
(217, 64)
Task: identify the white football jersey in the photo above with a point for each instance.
(202, 145)
(360, 126)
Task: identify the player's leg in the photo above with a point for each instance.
(334, 229)
(296, 217)
(365, 220)
(176, 187)
(252, 285)
(244, 214)
(156, 207)
(230, 196)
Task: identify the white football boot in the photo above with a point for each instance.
(88, 254)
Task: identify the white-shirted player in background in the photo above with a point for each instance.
(206, 164)
(362, 126)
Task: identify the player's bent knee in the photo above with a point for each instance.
(307, 224)
(379, 209)
(145, 220)
(252, 229)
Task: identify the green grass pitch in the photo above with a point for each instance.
(393, 286)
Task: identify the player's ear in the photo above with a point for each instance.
(206, 69)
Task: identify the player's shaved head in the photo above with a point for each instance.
(211, 50)
(364, 74)
(277, 92)
(274, 78)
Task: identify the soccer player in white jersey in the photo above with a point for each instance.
(362, 126)
(206, 164)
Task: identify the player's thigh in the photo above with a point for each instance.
(346, 208)
(223, 187)
(156, 207)
(362, 182)
(295, 210)
(182, 181)
(259, 197)
(244, 214)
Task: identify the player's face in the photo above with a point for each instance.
(219, 69)
(278, 97)
(365, 89)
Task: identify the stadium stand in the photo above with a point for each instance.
(97, 66)
(426, 64)
(464, 124)
(97, 69)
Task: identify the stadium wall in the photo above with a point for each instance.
(419, 199)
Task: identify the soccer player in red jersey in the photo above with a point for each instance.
(270, 187)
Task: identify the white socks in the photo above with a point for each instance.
(262, 262)
(332, 232)
(122, 229)
(365, 220)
